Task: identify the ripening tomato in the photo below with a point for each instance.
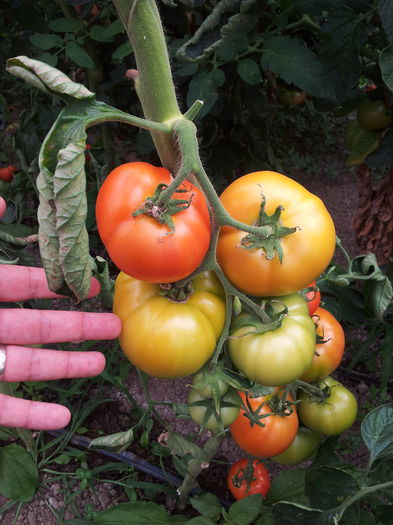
(313, 297)
(329, 353)
(291, 97)
(273, 438)
(335, 414)
(7, 173)
(139, 245)
(246, 477)
(164, 338)
(202, 410)
(374, 114)
(279, 356)
(302, 447)
(306, 252)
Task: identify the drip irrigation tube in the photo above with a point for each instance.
(133, 460)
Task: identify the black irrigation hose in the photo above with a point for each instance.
(131, 459)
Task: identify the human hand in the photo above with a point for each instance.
(20, 326)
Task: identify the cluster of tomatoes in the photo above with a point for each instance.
(287, 342)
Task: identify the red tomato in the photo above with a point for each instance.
(7, 173)
(270, 440)
(139, 245)
(248, 477)
(313, 298)
(329, 354)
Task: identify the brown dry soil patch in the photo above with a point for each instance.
(339, 190)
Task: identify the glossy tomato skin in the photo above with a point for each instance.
(329, 354)
(140, 246)
(279, 356)
(302, 447)
(373, 114)
(7, 173)
(240, 487)
(228, 414)
(333, 415)
(163, 338)
(313, 298)
(272, 439)
(307, 251)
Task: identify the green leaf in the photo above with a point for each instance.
(122, 51)
(204, 86)
(49, 59)
(292, 513)
(289, 485)
(377, 431)
(18, 473)
(383, 156)
(79, 55)
(295, 64)
(246, 510)
(114, 28)
(386, 13)
(386, 65)
(120, 439)
(46, 41)
(364, 142)
(100, 34)
(327, 487)
(207, 505)
(201, 520)
(66, 25)
(249, 71)
(266, 517)
(137, 513)
(47, 78)
(181, 446)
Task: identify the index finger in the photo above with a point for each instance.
(2, 206)
(20, 283)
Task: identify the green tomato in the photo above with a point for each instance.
(205, 384)
(228, 412)
(302, 447)
(279, 356)
(335, 414)
(373, 114)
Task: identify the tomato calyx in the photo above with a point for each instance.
(177, 294)
(269, 232)
(162, 210)
(245, 475)
(278, 404)
(257, 325)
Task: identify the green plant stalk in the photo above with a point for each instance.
(195, 467)
(362, 493)
(25, 435)
(154, 83)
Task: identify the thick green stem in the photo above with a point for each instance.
(153, 83)
(195, 467)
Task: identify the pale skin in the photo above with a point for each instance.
(23, 326)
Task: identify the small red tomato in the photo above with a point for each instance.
(7, 173)
(313, 297)
(248, 477)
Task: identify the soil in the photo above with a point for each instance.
(338, 187)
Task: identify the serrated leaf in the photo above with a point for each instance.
(386, 65)
(137, 513)
(181, 446)
(66, 25)
(377, 432)
(326, 487)
(79, 55)
(201, 520)
(204, 86)
(295, 64)
(289, 486)
(114, 28)
(291, 513)
(47, 78)
(207, 505)
(386, 14)
(99, 33)
(249, 71)
(49, 59)
(246, 510)
(18, 473)
(46, 41)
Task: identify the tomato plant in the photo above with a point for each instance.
(302, 447)
(165, 338)
(306, 251)
(329, 352)
(274, 437)
(140, 245)
(281, 355)
(203, 412)
(331, 415)
(313, 297)
(374, 114)
(246, 477)
(7, 173)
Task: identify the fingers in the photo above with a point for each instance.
(19, 283)
(39, 364)
(22, 326)
(2, 206)
(21, 413)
